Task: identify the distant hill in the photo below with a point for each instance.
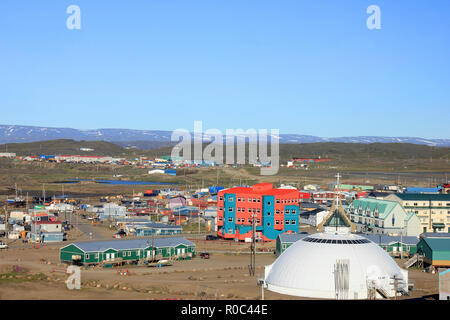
(340, 153)
(65, 146)
(346, 151)
(129, 137)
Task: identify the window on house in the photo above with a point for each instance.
(286, 222)
(87, 256)
(268, 224)
(230, 209)
(277, 222)
(293, 222)
(220, 208)
(268, 213)
(277, 201)
(230, 199)
(268, 203)
(220, 198)
(230, 219)
(258, 200)
(277, 211)
(254, 200)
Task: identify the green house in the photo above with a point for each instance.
(284, 241)
(125, 251)
(394, 245)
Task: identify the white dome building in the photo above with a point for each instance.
(335, 264)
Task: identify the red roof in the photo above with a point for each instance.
(262, 189)
(83, 156)
(47, 222)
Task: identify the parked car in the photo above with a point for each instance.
(204, 255)
(211, 237)
(3, 246)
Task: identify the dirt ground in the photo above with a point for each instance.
(39, 275)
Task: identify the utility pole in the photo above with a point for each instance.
(6, 219)
(153, 242)
(252, 248)
(198, 218)
(395, 278)
(401, 244)
(262, 290)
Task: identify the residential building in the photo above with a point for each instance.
(433, 210)
(275, 211)
(380, 195)
(284, 241)
(383, 217)
(177, 202)
(395, 245)
(313, 217)
(7, 155)
(127, 251)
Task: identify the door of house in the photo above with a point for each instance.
(108, 257)
(113, 256)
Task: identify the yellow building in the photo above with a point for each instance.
(433, 210)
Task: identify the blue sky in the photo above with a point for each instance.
(307, 67)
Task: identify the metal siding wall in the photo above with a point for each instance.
(268, 216)
(229, 214)
(291, 217)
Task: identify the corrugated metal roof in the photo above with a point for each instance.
(291, 238)
(438, 244)
(384, 206)
(435, 235)
(98, 246)
(386, 239)
(423, 197)
(158, 225)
